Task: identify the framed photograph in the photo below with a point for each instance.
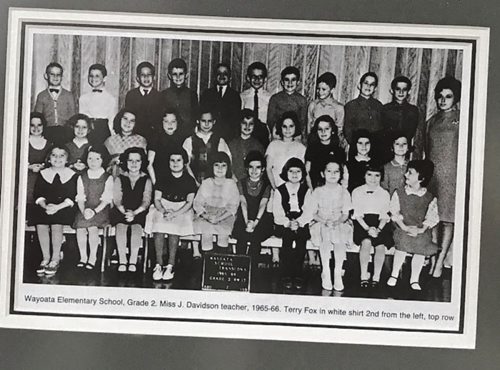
(243, 178)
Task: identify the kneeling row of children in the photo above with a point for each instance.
(220, 203)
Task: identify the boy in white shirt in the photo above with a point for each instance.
(99, 105)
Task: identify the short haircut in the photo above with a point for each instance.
(374, 166)
(257, 65)
(62, 147)
(220, 157)
(399, 79)
(117, 121)
(40, 116)
(177, 63)
(289, 71)
(99, 67)
(125, 156)
(179, 150)
(398, 134)
(369, 74)
(333, 159)
(77, 117)
(291, 163)
(255, 155)
(448, 83)
(99, 149)
(52, 65)
(246, 113)
(425, 169)
(362, 133)
(288, 115)
(329, 79)
(170, 111)
(145, 64)
(223, 64)
(204, 110)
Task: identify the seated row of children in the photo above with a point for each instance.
(219, 203)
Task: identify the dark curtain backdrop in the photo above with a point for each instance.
(424, 67)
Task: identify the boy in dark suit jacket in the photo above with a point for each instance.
(146, 102)
(224, 102)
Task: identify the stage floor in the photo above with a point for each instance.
(264, 279)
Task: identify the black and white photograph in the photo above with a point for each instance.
(305, 181)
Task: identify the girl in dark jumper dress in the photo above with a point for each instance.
(253, 223)
(132, 196)
(292, 224)
(55, 191)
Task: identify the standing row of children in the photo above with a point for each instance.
(205, 160)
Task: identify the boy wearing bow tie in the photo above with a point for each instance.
(99, 105)
(57, 105)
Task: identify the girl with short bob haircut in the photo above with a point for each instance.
(94, 197)
(370, 203)
(253, 223)
(292, 222)
(131, 196)
(172, 214)
(55, 191)
(215, 204)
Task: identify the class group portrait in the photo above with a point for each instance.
(331, 167)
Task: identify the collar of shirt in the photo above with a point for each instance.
(367, 190)
(145, 91)
(49, 173)
(326, 102)
(54, 90)
(95, 174)
(80, 144)
(224, 88)
(202, 135)
(396, 164)
(420, 192)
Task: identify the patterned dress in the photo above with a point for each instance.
(216, 199)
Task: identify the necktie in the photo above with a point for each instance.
(54, 90)
(97, 90)
(256, 105)
(146, 92)
(369, 192)
(220, 91)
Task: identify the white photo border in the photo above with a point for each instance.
(474, 43)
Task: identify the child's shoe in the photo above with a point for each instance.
(43, 266)
(132, 267)
(298, 283)
(52, 268)
(287, 283)
(415, 286)
(338, 284)
(326, 282)
(157, 272)
(168, 274)
(122, 267)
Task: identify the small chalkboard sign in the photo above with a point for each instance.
(226, 272)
